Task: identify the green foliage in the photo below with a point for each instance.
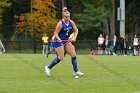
(3, 5)
(91, 18)
(91, 15)
(133, 18)
(42, 19)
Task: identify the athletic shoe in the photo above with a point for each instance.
(78, 73)
(125, 55)
(47, 71)
(114, 54)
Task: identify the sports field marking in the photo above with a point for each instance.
(137, 92)
(116, 73)
(11, 59)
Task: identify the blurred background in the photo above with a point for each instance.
(23, 22)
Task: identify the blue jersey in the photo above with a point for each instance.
(65, 31)
(63, 34)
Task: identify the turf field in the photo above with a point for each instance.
(24, 73)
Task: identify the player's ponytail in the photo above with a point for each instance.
(64, 9)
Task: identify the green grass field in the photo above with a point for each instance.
(24, 73)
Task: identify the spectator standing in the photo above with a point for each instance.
(121, 44)
(100, 44)
(115, 43)
(107, 45)
(45, 43)
(136, 43)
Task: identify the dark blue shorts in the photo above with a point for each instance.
(57, 44)
(51, 45)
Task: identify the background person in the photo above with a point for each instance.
(107, 45)
(100, 44)
(51, 48)
(121, 44)
(45, 43)
(115, 44)
(136, 44)
(126, 46)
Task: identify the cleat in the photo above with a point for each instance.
(47, 71)
(78, 73)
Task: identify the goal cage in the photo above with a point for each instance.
(2, 49)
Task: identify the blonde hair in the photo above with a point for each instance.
(66, 13)
(64, 9)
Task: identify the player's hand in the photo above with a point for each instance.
(73, 40)
(59, 40)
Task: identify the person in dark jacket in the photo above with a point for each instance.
(121, 44)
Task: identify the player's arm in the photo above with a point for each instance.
(53, 37)
(57, 30)
(75, 30)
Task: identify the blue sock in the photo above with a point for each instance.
(54, 62)
(48, 52)
(74, 63)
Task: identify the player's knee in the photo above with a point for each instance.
(61, 57)
(73, 54)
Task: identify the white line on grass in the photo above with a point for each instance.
(11, 59)
(137, 92)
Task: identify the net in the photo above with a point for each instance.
(2, 49)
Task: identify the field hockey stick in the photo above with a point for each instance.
(61, 40)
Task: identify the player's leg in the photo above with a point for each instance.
(135, 50)
(49, 51)
(70, 49)
(106, 50)
(102, 47)
(60, 52)
(46, 49)
(43, 49)
(99, 49)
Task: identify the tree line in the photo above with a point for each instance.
(25, 19)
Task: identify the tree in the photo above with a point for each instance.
(3, 5)
(42, 19)
(133, 17)
(109, 23)
(91, 20)
(103, 7)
